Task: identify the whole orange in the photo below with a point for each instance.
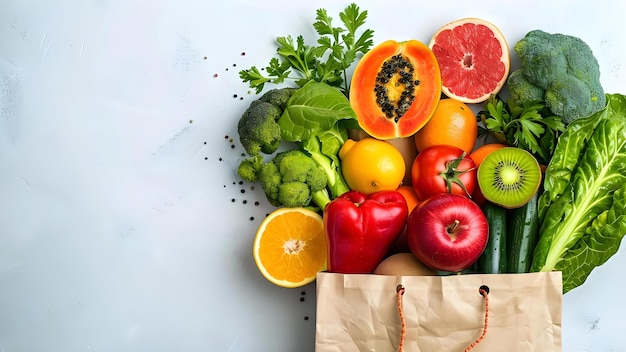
(370, 165)
(411, 197)
(453, 123)
(478, 155)
(481, 152)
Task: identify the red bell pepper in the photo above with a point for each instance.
(360, 229)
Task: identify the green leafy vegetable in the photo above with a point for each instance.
(336, 50)
(583, 207)
(317, 118)
(314, 108)
(529, 127)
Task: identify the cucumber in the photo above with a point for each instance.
(494, 258)
(523, 231)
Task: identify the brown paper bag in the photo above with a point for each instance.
(358, 312)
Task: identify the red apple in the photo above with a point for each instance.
(447, 232)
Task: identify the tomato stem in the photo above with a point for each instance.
(452, 173)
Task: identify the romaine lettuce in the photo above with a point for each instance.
(583, 207)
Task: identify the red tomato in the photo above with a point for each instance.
(443, 169)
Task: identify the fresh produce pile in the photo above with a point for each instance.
(438, 153)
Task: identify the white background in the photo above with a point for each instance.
(122, 225)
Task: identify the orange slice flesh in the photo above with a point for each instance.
(290, 247)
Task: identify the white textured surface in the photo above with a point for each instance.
(117, 229)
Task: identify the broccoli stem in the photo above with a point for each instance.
(338, 187)
(336, 183)
(321, 198)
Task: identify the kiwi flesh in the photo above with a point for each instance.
(509, 177)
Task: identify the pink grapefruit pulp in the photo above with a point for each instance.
(474, 59)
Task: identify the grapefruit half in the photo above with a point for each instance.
(473, 57)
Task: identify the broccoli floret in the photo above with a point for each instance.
(249, 168)
(278, 97)
(521, 90)
(297, 166)
(564, 68)
(270, 180)
(258, 130)
(294, 194)
(581, 63)
(293, 179)
(542, 59)
(258, 127)
(562, 96)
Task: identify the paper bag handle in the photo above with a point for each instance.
(483, 290)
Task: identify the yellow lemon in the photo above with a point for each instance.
(370, 165)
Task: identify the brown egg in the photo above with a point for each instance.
(403, 264)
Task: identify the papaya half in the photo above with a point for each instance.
(395, 88)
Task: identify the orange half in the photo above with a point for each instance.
(290, 247)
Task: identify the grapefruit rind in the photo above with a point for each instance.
(459, 81)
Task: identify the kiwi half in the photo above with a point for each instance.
(509, 177)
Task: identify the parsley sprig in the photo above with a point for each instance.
(531, 127)
(328, 61)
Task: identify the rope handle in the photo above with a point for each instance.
(483, 290)
(399, 294)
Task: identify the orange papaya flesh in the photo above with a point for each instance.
(395, 89)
